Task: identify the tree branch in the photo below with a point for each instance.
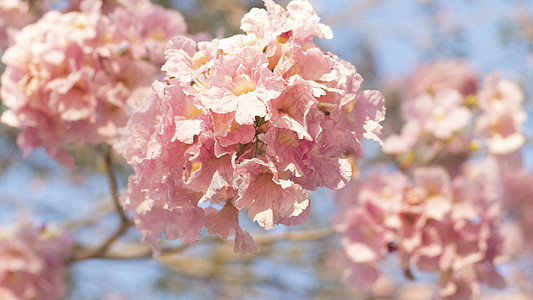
(100, 251)
(125, 223)
(107, 154)
(296, 236)
(263, 240)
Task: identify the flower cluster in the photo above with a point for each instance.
(435, 106)
(442, 105)
(432, 222)
(502, 115)
(518, 190)
(14, 14)
(32, 262)
(70, 76)
(437, 76)
(250, 122)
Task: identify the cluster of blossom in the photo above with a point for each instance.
(250, 122)
(442, 105)
(432, 222)
(70, 77)
(14, 14)
(518, 191)
(33, 262)
(502, 115)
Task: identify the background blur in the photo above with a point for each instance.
(385, 40)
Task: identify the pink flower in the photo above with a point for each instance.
(437, 109)
(403, 142)
(250, 122)
(274, 21)
(434, 223)
(368, 224)
(243, 84)
(500, 123)
(71, 77)
(269, 199)
(432, 118)
(518, 189)
(434, 185)
(363, 239)
(14, 14)
(144, 29)
(32, 262)
(361, 276)
(440, 115)
(445, 74)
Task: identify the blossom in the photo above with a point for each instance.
(436, 126)
(403, 142)
(143, 29)
(71, 77)
(446, 124)
(440, 115)
(444, 74)
(241, 84)
(14, 14)
(436, 110)
(250, 122)
(433, 222)
(500, 123)
(518, 188)
(32, 262)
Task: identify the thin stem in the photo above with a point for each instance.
(125, 223)
(296, 236)
(102, 249)
(264, 240)
(108, 169)
(6, 162)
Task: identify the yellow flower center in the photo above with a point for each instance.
(243, 84)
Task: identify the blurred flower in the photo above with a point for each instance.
(503, 114)
(14, 14)
(32, 262)
(444, 74)
(519, 200)
(437, 111)
(434, 223)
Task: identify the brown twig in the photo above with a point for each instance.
(125, 223)
(264, 240)
(108, 170)
(100, 251)
(296, 236)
